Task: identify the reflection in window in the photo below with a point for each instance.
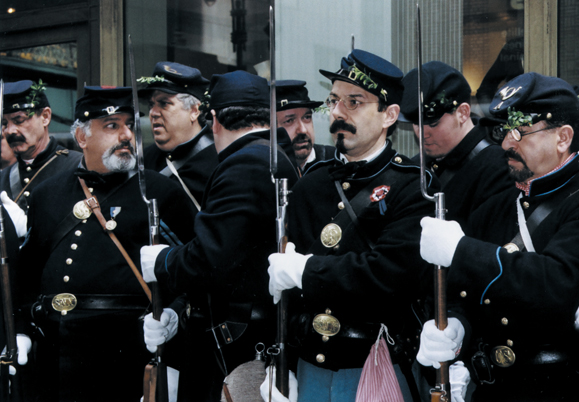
(492, 47)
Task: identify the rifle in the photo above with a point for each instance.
(10, 357)
(441, 391)
(281, 190)
(155, 379)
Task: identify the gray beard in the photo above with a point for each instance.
(115, 163)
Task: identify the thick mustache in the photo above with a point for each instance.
(10, 138)
(301, 137)
(124, 145)
(339, 125)
(511, 154)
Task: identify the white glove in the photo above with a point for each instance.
(440, 346)
(23, 344)
(459, 379)
(159, 332)
(277, 396)
(148, 257)
(439, 240)
(17, 215)
(286, 271)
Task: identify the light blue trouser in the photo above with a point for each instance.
(321, 385)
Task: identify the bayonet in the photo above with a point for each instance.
(281, 189)
(158, 388)
(10, 356)
(441, 392)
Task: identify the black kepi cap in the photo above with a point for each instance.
(293, 94)
(98, 102)
(175, 78)
(372, 73)
(238, 88)
(443, 87)
(24, 95)
(537, 97)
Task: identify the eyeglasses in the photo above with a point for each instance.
(350, 103)
(499, 133)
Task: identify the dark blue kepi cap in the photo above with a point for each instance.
(536, 95)
(22, 95)
(98, 102)
(238, 88)
(293, 94)
(372, 73)
(443, 87)
(175, 78)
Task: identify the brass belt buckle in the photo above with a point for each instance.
(326, 325)
(503, 356)
(331, 235)
(64, 302)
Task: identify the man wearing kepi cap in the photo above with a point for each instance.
(353, 221)
(459, 151)
(81, 301)
(27, 115)
(294, 113)
(515, 273)
(225, 265)
(183, 148)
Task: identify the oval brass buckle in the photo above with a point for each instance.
(331, 235)
(64, 302)
(326, 325)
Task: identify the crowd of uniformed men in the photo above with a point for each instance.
(362, 237)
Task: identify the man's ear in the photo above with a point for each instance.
(195, 112)
(391, 115)
(463, 112)
(46, 116)
(566, 134)
(216, 126)
(80, 136)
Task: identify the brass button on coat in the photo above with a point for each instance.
(68, 261)
(26, 180)
(78, 233)
(74, 246)
(346, 185)
(341, 205)
(463, 294)
(398, 159)
(66, 278)
(320, 358)
(28, 169)
(526, 205)
(504, 321)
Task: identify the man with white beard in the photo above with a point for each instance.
(75, 282)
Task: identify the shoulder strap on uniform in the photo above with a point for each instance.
(352, 208)
(203, 143)
(449, 173)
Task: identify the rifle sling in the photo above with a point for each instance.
(352, 209)
(203, 143)
(15, 175)
(93, 204)
(449, 173)
(534, 221)
(70, 221)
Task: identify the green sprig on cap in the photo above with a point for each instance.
(151, 80)
(361, 77)
(517, 119)
(35, 90)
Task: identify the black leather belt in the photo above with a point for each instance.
(100, 302)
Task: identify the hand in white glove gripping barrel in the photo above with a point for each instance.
(148, 257)
(286, 271)
(159, 332)
(439, 240)
(440, 346)
(277, 396)
(17, 215)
